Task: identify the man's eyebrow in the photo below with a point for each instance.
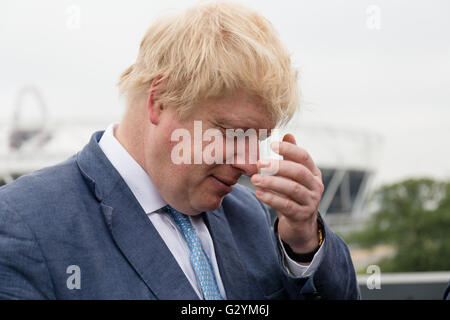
(224, 121)
(232, 123)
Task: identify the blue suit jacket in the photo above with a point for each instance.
(81, 213)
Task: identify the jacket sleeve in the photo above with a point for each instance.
(23, 270)
(447, 292)
(334, 278)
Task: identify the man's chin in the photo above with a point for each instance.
(211, 204)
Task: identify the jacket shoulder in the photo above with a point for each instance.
(28, 207)
(41, 189)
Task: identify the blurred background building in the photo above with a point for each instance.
(32, 139)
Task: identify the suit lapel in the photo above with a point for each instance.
(232, 271)
(144, 248)
(130, 227)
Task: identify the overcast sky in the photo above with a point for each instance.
(378, 66)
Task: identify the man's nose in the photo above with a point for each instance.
(248, 169)
(247, 162)
(246, 156)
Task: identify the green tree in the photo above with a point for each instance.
(414, 217)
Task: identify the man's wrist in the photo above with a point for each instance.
(300, 257)
(306, 257)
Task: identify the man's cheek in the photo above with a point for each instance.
(213, 147)
(180, 147)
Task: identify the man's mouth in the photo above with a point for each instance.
(223, 185)
(226, 181)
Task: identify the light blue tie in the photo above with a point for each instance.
(199, 259)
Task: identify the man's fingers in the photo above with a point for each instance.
(286, 187)
(292, 152)
(279, 202)
(291, 170)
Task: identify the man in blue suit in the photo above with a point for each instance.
(146, 212)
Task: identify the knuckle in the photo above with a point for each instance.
(304, 156)
(288, 206)
(321, 187)
(297, 189)
(301, 172)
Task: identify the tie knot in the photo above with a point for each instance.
(172, 211)
(181, 219)
(169, 209)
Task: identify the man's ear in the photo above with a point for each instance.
(155, 108)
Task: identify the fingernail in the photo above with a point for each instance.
(256, 179)
(275, 146)
(264, 163)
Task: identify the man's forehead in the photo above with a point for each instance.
(241, 108)
(248, 116)
(233, 120)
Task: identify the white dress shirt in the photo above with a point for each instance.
(151, 202)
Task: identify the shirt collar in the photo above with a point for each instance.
(134, 175)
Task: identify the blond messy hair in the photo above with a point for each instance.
(211, 51)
